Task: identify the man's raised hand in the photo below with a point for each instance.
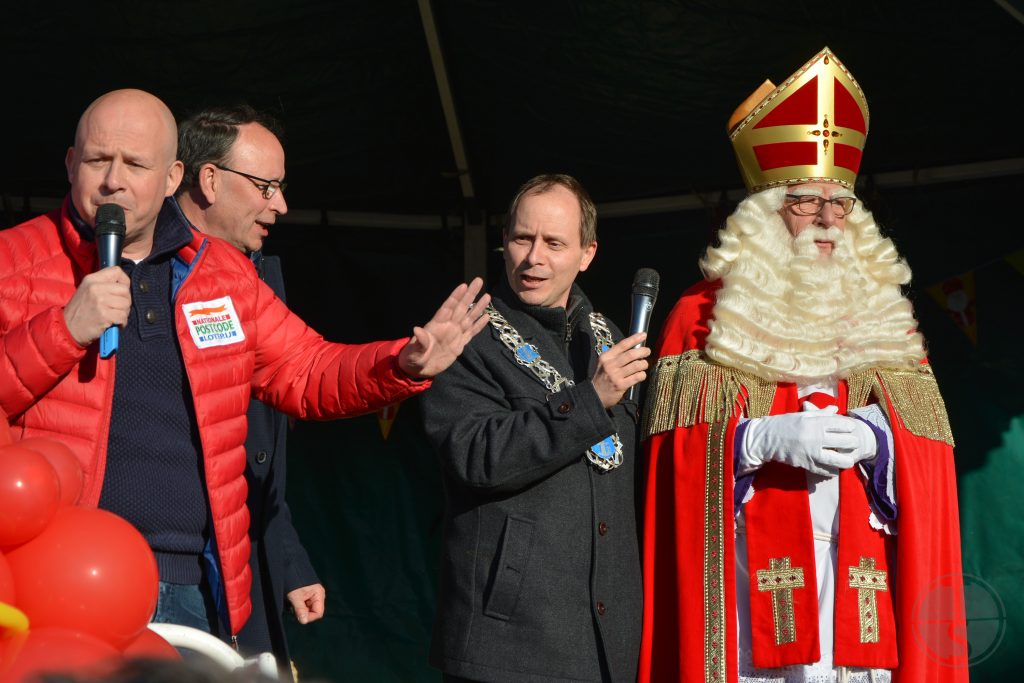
(437, 344)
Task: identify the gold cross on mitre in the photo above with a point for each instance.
(868, 580)
(780, 578)
(812, 128)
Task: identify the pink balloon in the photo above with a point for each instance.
(69, 469)
(29, 493)
(61, 650)
(89, 571)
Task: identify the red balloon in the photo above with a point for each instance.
(29, 493)
(69, 470)
(5, 430)
(61, 650)
(10, 646)
(149, 645)
(11, 638)
(89, 571)
(6, 582)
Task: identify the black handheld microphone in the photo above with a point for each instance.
(110, 232)
(645, 293)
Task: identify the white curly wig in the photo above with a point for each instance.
(788, 314)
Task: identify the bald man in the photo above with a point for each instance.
(161, 439)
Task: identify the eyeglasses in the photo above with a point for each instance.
(810, 205)
(266, 187)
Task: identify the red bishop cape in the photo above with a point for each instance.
(689, 627)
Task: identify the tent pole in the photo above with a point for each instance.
(1013, 11)
(474, 235)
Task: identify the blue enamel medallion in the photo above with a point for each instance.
(527, 353)
(605, 449)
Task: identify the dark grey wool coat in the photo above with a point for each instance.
(540, 574)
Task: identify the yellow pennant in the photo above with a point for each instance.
(956, 295)
(1016, 259)
(386, 418)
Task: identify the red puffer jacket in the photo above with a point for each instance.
(50, 386)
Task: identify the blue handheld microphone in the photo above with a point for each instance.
(110, 232)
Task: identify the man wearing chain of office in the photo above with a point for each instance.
(540, 573)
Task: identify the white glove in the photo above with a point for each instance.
(819, 441)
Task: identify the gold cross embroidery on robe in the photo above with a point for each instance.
(780, 578)
(868, 580)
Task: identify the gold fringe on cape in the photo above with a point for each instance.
(913, 394)
(688, 389)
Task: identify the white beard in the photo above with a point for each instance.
(788, 313)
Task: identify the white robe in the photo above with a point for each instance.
(823, 493)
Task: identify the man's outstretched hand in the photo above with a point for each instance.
(437, 344)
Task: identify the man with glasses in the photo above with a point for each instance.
(791, 402)
(160, 426)
(233, 181)
(239, 206)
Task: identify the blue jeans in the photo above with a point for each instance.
(188, 606)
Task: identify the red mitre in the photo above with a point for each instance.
(812, 128)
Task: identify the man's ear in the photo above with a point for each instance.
(69, 162)
(174, 174)
(207, 182)
(588, 255)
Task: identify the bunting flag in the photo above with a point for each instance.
(386, 418)
(956, 296)
(1016, 259)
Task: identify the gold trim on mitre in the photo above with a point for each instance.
(812, 128)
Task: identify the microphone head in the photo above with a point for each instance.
(645, 282)
(110, 220)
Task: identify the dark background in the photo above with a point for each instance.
(631, 97)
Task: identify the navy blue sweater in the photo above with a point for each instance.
(154, 476)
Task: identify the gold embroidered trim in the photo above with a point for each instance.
(688, 389)
(868, 580)
(714, 556)
(780, 578)
(914, 395)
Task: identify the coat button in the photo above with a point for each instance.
(565, 408)
(261, 457)
(143, 286)
(600, 608)
(151, 316)
(602, 528)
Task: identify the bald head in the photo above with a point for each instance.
(124, 153)
(131, 108)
